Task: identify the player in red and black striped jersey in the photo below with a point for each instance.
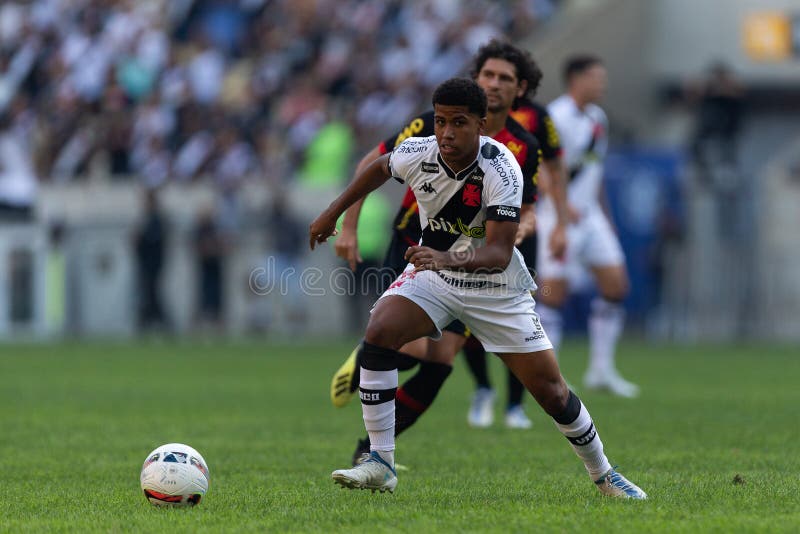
(552, 178)
(505, 73)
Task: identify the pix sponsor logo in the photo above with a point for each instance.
(458, 227)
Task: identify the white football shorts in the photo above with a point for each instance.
(504, 320)
(591, 242)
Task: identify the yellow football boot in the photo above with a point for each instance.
(345, 381)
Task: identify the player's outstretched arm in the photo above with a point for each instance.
(527, 222)
(373, 176)
(346, 245)
(493, 257)
(558, 190)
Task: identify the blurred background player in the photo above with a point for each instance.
(506, 73)
(150, 244)
(535, 119)
(591, 240)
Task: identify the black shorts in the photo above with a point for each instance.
(395, 262)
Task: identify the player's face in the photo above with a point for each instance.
(457, 133)
(593, 83)
(498, 78)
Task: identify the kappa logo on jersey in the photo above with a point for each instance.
(471, 195)
(443, 225)
(431, 168)
(427, 188)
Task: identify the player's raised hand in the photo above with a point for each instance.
(346, 247)
(426, 259)
(321, 229)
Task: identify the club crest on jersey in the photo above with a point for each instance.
(431, 168)
(471, 195)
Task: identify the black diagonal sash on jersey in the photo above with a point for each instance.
(575, 171)
(453, 220)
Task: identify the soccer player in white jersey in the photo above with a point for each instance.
(592, 242)
(466, 268)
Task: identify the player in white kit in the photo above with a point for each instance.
(469, 193)
(591, 240)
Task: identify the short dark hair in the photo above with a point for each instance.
(461, 92)
(527, 69)
(579, 64)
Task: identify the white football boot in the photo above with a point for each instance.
(616, 485)
(516, 418)
(481, 411)
(373, 474)
(610, 380)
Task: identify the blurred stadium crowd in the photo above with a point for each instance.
(222, 90)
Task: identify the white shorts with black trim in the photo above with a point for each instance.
(504, 320)
(591, 242)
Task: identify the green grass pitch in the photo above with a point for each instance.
(713, 441)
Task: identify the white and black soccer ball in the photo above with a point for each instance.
(174, 475)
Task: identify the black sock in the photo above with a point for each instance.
(515, 390)
(405, 361)
(476, 360)
(418, 393)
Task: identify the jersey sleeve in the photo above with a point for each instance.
(601, 147)
(405, 157)
(421, 126)
(530, 173)
(547, 136)
(503, 188)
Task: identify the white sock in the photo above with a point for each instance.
(552, 323)
(377, 391)
(606, 321)
(586, 443)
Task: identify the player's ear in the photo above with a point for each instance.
(482, 124)
(522, 88)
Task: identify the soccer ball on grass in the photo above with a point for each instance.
(174, 475)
